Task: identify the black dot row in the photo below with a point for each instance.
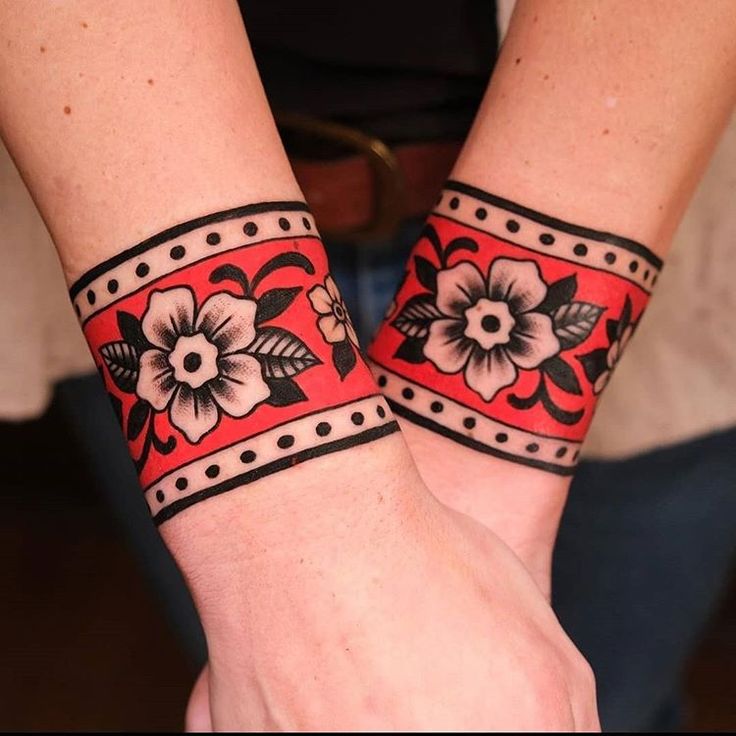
(437, 407)
(284, 442)
(178, 252)
(580, 249)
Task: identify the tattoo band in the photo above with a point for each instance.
(508, 325)
(228, 353)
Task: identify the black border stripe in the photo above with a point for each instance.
(402, 411)
(207, 257)
(511, 427)
(176, 231)
(578, 231)
(282, 463)
(316, 412)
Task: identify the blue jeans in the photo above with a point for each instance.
(644, 550)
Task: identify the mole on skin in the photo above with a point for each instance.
(67, 110)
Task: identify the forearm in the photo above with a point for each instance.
(599, 120)
(128, 120)
(605, 114)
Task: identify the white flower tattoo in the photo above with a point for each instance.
(334, 322)
(489, 328)
(195, 369)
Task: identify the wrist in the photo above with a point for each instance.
(522, 505)
(323, 515)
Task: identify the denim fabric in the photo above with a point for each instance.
(368, 274)
(644, 549)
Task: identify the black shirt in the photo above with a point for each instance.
(402, 70)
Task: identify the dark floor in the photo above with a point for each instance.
(84, 642)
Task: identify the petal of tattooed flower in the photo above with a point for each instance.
(228, 321)
(489, 371)
(533, 340)
(332, 289)
(240, 386)
(459, 287)
(320, 299)
(193, 412)
(447, 347)
(601, 382)
(332, 329)
(517, 282)
(156, 381)
(628, 332)
(170, 313)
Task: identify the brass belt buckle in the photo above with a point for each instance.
(389, 184)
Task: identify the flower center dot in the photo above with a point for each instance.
(192, 362)
(339, 312)
(490, 323)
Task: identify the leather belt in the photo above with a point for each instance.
(369, 193)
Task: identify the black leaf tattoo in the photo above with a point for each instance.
(417, 315)
(426, 273)
(559, 293)
(284, 392)
(411, 350)
(137, 418)
(343, 358)
(281, 353)
(562, 375)
(274, 302)
(121, 359)
(132, 332)
(594, 363)
(574, 322)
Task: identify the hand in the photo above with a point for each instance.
(401, 615)
(521, 505)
